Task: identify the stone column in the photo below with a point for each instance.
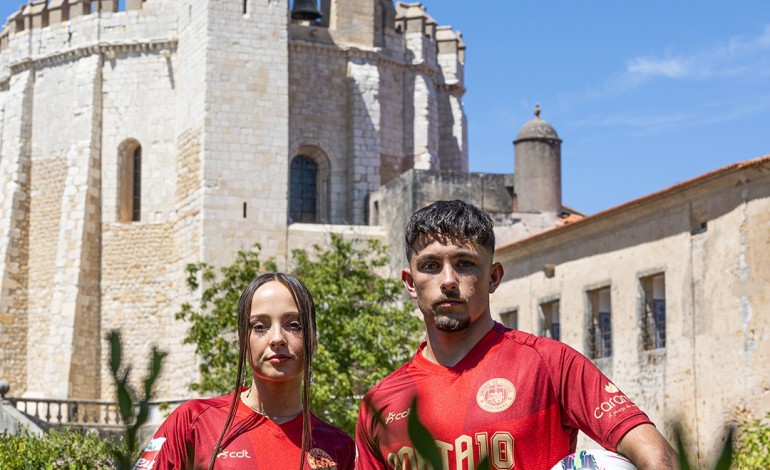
(15, 118)
(364, 154)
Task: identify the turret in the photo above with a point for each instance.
(537, 167)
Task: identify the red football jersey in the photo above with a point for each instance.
(515, 398)
(252, 441)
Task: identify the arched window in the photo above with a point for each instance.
(130, 181)
(303, 190)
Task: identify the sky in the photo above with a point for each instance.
(644, 95)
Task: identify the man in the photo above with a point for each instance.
(482, 390)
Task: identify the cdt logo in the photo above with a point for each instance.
(234, 454)
(392, 416)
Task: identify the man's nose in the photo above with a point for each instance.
(448, 278)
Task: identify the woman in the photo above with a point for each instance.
(268, 425)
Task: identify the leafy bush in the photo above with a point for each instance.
(753, 448)
(65, 449)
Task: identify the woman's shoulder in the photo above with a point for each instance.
(197, 406)
(321, 427)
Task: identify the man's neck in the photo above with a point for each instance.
(448, 349)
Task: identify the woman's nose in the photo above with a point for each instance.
(277, 336)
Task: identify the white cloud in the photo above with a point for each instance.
(736, 57)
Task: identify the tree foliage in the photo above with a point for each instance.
(365, 330)
(214, 322)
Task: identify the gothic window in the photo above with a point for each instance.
(550, 314)
(600, 324)
(303, 190)
(654, 312)
(130, 181)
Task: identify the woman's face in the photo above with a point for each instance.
(275, 334)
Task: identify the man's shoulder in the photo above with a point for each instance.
(393, 382)
(523, 342)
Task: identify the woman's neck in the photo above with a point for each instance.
(279, 401)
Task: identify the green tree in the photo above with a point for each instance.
(365, 330)
(214, 323)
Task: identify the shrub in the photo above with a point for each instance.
(753, 448)
(66, 449)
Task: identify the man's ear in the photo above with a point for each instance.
(408, 280)
(495, 277)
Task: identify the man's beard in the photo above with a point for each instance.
(450, 324)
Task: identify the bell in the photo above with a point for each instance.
(305, 10)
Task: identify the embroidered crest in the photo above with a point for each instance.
(496, 395)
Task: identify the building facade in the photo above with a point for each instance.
(135, 142)
(667, 294)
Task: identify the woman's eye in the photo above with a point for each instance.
(259, 327)
(294, 326)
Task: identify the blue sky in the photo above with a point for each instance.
(643, 94)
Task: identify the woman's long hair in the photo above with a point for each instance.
(306, 308)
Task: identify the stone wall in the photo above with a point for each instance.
(216, 96)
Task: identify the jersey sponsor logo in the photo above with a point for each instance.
(234, 454)
(393, 416)
(147, 460)
(496, 395)
(318, 458)
(463, 454)
(614, 405)
(155, 444)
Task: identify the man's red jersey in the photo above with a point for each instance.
(515, 398)
(252, 440)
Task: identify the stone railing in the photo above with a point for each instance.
(99, 415)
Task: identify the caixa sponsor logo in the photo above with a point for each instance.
(393, 416)
(609, 405)
(234, 454)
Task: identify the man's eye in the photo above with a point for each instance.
(431, 266)
(465, 264)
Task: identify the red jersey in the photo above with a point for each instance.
(515, 398)
(252, 440)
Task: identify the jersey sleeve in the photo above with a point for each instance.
(589, 400)
(168, 448)
(368, 456)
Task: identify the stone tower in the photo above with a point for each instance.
(178, 131)
(537, 167)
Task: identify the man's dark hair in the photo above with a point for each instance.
(456, 222)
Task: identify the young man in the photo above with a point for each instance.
(482, 390)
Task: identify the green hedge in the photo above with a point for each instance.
(66, 449)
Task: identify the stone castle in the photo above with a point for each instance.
(135, 142)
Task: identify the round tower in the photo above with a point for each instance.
(537, 167)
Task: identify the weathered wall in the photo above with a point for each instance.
(718, 322)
